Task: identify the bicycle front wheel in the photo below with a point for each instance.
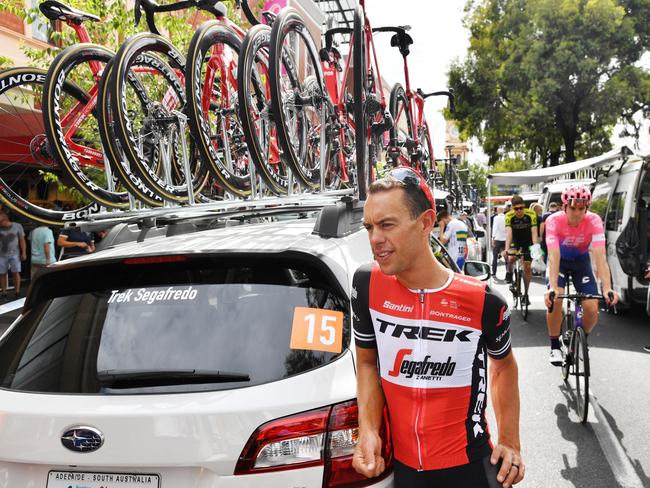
(580, 372)
(299, 98)
(566, 344)
(32, 183)
(360, 100)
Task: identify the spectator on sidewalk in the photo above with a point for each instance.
(13, 250)
(42, 240)
(75, 242)
(498, 237)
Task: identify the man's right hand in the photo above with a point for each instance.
(367, 458)
(547, 297)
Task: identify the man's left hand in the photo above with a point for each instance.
(512, 465)
(610, 301)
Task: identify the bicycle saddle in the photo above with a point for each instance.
(54, 10)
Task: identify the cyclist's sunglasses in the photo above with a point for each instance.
(519, 207)
(409, 176)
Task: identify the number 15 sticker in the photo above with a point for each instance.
(317, 329)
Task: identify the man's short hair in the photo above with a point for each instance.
(442, 215)
(552, 205)
(416, 201)
(516, 200)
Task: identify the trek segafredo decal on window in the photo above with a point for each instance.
(150, 296)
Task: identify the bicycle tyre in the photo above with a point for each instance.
(16, 154)
(363, 175)
(152, 46)
(566, 345)
(69, 160)
(207, 37)
(581, 373)
(399, 105)
(113, 149)
(426, 162)
(290, 21)
(524, 306)
(255, 109)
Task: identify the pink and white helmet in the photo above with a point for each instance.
(576, 192)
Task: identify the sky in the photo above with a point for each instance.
(439, 38)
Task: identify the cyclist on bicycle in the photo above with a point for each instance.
(521, 234)
(453, 234)
(569, 234)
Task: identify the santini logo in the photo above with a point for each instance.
(397, 308)
(425, 369)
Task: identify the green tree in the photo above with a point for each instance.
(547, 80)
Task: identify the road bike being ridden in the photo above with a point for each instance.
(575, 351)
(30, 173)
(520, 298)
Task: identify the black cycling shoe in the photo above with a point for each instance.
(508, 277)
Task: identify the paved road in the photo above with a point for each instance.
(559, 451)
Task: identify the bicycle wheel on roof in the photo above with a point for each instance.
(32, 183)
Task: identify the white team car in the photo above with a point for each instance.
(202, 352)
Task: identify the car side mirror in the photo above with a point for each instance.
(477, 269)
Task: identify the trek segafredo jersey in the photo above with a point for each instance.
(432, 347)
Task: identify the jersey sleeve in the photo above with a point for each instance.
(550, 227)
(598, 231)
(449, 230)
(496, 324)
(507, 218)
(364, 332)
(533, 217)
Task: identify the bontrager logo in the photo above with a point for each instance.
(427, 333)
(448, 315)
(396, 307)
(425, 369)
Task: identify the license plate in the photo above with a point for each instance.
(74, 479)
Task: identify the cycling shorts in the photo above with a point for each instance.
(478, 474)
(524, 248)
(580, 272)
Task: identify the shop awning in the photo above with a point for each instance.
(548, 174)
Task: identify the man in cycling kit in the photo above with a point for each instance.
(454, 237)
(423, 336)
(521, 234)
(569, 234)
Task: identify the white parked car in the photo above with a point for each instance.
(200, 353)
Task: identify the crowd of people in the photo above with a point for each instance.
(43, 249)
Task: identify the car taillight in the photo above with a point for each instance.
(156, 259)
(323, 437)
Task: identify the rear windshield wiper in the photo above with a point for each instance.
(135, 378)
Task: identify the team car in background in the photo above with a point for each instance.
(206, 350)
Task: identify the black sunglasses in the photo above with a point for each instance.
(409, 176)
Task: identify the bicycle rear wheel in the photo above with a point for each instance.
(360, 97)
(402, 135)
(255, 109)
(426, 164)
(142, 129)
(580, 371)
(212, 96)
(31, 181)
(72, 127)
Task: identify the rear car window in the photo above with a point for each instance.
(197, 325)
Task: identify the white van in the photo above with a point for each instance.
(621, 194)
(552, 192)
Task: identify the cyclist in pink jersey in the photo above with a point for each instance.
(569, 236)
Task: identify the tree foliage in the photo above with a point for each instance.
(547, 80)
(116, 26)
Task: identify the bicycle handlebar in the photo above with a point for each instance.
(397, 29)
(450, 94)
(330, 33)
(151, 7)
(577, 297)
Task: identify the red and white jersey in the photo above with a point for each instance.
(432, 347)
